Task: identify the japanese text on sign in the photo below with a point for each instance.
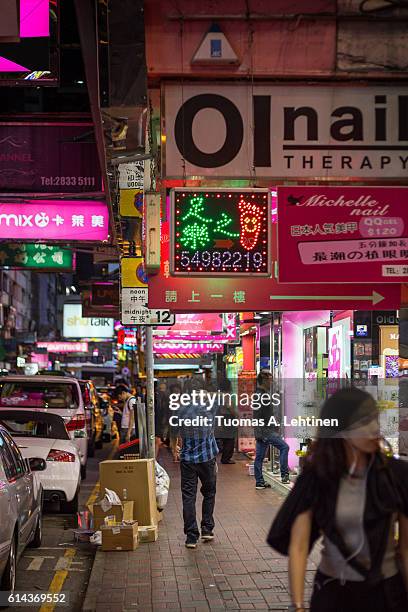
(339, 226)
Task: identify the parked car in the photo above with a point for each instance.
(41, 434)
(20, 507)
(56, 394)
(94, 416)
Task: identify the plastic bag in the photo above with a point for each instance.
(162, 477)
(96, 538)
(161, 497)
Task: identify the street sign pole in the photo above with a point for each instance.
(149, 359)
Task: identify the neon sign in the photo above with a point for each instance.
(30, 54)
(54, 220)
(220, 231)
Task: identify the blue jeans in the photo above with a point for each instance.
(261, 448)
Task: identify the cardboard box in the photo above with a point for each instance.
(148, 533)
(138, 478)
(121, 513)
(120, 537)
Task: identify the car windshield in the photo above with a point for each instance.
(38, 394)
(33, 424)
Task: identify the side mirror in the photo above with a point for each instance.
(37, 464)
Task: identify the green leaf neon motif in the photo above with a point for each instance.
(201, 229)
(195, 235)
(222, 224)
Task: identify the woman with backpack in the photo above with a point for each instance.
(355, 495)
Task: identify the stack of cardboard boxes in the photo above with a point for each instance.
(136, 519)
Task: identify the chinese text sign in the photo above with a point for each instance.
(342, 234)
(223, 232)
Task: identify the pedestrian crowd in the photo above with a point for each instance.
(351, 495)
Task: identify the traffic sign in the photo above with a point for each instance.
(134, 310)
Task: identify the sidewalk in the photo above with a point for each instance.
(237, 571)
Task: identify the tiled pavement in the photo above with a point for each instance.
(237, 571)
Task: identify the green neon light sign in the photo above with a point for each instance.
(223, 231)
(32, 256)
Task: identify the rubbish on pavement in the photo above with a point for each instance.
(123, 536)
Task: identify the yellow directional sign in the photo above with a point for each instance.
(131, 203)
(133, 272)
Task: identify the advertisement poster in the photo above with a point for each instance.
(77, 326)
(342, 234)
(220, 231)
(282, 131)
(335, 352)
(49, 158)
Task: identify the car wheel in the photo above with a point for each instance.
(70, 507)
(37, 538)
(83, 472)
(91, 446)
(8, 581)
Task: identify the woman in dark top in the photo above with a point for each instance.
(356, 496)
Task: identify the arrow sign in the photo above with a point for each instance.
(374, 298)
(223, 244)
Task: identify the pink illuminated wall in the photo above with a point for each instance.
(293, 325)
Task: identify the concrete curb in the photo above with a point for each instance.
(95, 583)
(276, 483)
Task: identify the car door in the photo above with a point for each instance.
(24, 492)
(8, 511)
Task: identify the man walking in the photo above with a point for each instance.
(127, 427)
(267, 435)
(198, 462)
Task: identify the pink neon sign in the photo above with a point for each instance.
(190, 324)
(64, 347)
(34, 23)
(34, 18)
(54, 220)
(180, 348)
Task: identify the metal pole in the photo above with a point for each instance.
(150, 391)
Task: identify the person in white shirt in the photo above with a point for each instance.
(127, 427)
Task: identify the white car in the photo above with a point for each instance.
(44, 435)
(52, 394)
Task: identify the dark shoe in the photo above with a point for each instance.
(229, 462)
(191, 542)
(207, 536)
(263, 485)
(285, 479)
